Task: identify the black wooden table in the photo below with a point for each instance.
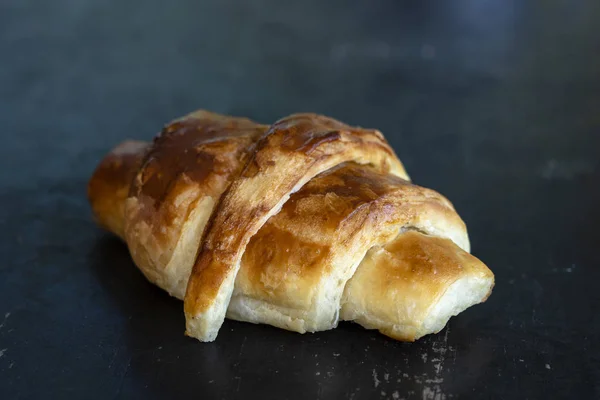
(496, 104)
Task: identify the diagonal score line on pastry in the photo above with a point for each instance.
(341, 209)
(294, 150)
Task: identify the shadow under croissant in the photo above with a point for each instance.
(152, 334)
(151, 324)
(153, 351)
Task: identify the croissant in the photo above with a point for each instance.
(299, 225)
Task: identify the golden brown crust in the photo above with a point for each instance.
(294, 150)
(346, 195)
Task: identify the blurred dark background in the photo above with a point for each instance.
(494, 103)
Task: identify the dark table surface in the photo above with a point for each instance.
(494, 103)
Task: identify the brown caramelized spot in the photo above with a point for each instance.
(413, 256)
(281, 255)
(342, 189)
(309, 140)
(306, 132)
(191, 147)
(203, 151)
(363, 179)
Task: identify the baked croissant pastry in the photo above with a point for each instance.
(297, 225)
